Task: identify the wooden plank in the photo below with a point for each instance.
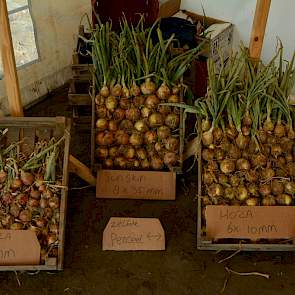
(9, 66)
(258, 28)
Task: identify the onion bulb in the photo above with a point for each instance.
(145, 112)
(141, 153)
(259, 161)
(170, 159)
(111, 103)
(227, 166)
(156, 163)
(267, 174)
(150, 137)
(155, 120)
(223, 179)
(251, 176)
(207, 138)
(208, 154)
(141, 126)
(16, 184)
(136, 139)
(242, 141)
(277, 187)
(164, 110)
(264, 189)
(219, 154)
(148, 87)
(104, 91)
(276, 150)
(284, 199)
(234, 152)
(173, 98)
(101, 111)
(27, 178)
(132, 114)
(252, 202)
(159, 147)
(163, 91)
(101, 124)
(268, 125)
(25, 216)
(290, 167)
(126, 125)
(243, 164)
(102, 152)
(252, 189)
(116, 90)
(121, 137)
(119, 114)
(279, 130)
(241, 193)
(163, 132)
(108, 163)
(104, 138)
(99, 100)
(289, 188)
(113, 126)
(206, 124)
(172, 121)
(208, 177)
(129, 152)
(172, 144)
(229, 193)
(262, 136)
(215, 190)
(134, 90)
(234, 180)
(217, 134)
(145, 164)
(120, 162)
(124, 103)
(138, 101)
(268, 201)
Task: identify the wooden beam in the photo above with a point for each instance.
(9, 66)
(75, 166)
(258, 28)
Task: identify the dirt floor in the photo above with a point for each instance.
(180, 270)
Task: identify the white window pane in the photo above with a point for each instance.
(23, 37)
(14, 4)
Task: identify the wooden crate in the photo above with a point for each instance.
(32, 130)
(205, 243)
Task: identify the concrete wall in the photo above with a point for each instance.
(56, 23)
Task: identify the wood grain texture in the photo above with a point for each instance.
(258, 28)
(9, 66)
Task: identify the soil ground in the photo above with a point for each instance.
(180, 270)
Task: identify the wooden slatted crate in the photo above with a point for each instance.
(33, 130)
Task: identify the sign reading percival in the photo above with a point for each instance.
(125, 234)
(19, 247)
(136, 185)
(257, 222)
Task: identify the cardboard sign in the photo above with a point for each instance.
(257, 222)
(19, 247)
(125, 234)
(147, 185)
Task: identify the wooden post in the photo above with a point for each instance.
(258, 28)
(9, 66)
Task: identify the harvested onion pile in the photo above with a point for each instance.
(247, 134)
(135, 76)
(30, 192)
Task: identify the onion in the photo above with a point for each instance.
(136, 164)
(132, 114)
(289, 158)
(121, 137)
(252, 202)
(35, 194)
(111, 103)
(126, 125)
(217, 135)
(234, 152)
(113, 126)
(101, 111)
(145, 164)
(16, 226)
(271, 140)
(231, 132)
(208, 154)
(163, 91)
(259, 161)
(227, 166)
(51, 238)
(164, 110)
(99, 100)
(138, 101)
(212, 166)
(141, 126)
(268, 126)
(206, 124)
(172, 121)
(125, 91)
(284, 199)
(241, 193)
(40, 222)
(247, 120)
(33, 203)
(145, 112)
(16, 184)
(101, 124)
(108, 163)
(243, 164)
(136, 139)
(48, 212)
(125, 103)
(264, 189)
(152, 101)
(150, 137)
(215, 190)
(251, 176)
(234, 180)
(156, 163)
(253, 147)
(277, 187)
(129, 152)
(242, 141)
(252, 189)
(43, 203)
(286, 144)
(208, 177)
(280, 172)
(119, 114)
(223, 179)
(289, 188)
(170, 159)
(176, 89)
(172, 144)
(104, 138)
(25, 216)
(290, 167)
(229, 193)
(27, 178)
(219, 154)
(3, 176)
(104, 91)
(134, 90)
(14, 210)
(268, 201)
(148, 87)
(267, 174)
(7, 199)
(113, 151)
(279, 130)
(276, 150)
(246, 130)
(54, 202)
(141, 153)
(22, 199)
(207, 138)
(116, 90)
(291, 133)
(155, 120)
(163, 132)
(173, 98)
(102, 152)
(158, 147)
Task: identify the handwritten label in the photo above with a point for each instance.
(19, 247)
(125, 234)
(136, 185)
(257, 222)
